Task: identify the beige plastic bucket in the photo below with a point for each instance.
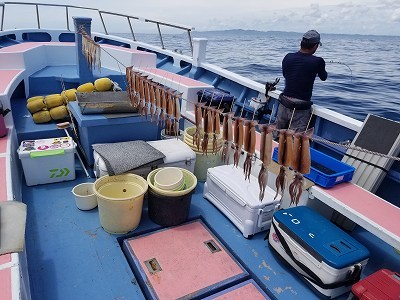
(120, 201)
(188, 139)
(85, 198)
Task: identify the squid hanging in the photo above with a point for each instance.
(285, 155)
(208, 127)
(301, 164)
(265, 156)
(249, 142)
(227, 136)
(238, 139)
(198, 117)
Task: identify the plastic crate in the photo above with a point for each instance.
(325, 171)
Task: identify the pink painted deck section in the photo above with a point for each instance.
(248, 291)
(27, 46)
(182, 80)
(5, 284)
(367, 205)
(182, 254)
(6, 77)
(3, 144)
(5, 258)
(3, 179)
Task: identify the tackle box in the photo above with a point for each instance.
(328, 258)
(238, 199)
(177, 154)
(325, 171)
(383, 284)
(47, 160)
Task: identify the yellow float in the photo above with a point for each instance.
(53, 100)
(69, 95)
(35, 98)
(103, 84)
(59, 112)
(35, 105)
(86, 88)
(42, 116)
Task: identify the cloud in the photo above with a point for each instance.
(395, 17)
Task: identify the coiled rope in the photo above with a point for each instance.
(348, 146)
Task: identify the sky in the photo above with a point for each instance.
(377, 17)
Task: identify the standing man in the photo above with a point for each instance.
(300, 69)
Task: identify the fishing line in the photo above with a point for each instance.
(340, 63)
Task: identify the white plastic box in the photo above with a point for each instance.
(177, 154)
(238, 199)
(47, 160)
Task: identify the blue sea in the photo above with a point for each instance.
(363, 70)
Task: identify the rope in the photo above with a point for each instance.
(348, 146)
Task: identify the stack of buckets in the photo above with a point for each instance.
(170, 194)
(203, 160)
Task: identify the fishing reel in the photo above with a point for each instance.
(271, 86)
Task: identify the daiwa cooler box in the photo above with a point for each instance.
(383, 284)
(238, 199)
(327, 257)
(47, 160)
(177, 154)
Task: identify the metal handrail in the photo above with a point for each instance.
(100, 12)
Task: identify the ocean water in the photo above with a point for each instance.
(363, 70)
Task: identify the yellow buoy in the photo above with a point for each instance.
(53, 100)
(59, 112)
(42, 116)
(69, 95)
(86, 88)
(35, 105)
(35, 98)
(103, 84)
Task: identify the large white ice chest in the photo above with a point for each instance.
(177, 154)
(47, 160)
(326, 256)
(238, 199)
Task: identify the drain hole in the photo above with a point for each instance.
(212, 246)
(124, 190)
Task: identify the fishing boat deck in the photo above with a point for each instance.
(70, 252)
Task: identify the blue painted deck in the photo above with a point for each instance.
(70, 256)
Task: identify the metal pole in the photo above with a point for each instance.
(2, 17)
(130, 26)
(190, 42)
(159, 33)
(102, 21)
(37, 16)
(66, 12)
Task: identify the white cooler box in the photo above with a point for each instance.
(177, 154)
(328, 258)
(47, 160)
(238, 199)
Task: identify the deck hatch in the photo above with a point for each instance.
(189, 254)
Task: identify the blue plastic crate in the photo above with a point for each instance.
(325, 171)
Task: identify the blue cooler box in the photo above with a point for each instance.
(326, 256)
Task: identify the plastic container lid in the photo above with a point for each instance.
(169, 178)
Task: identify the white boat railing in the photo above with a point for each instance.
(101, 14)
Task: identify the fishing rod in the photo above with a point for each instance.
(344, 64)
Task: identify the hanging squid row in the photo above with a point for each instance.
(148, 96)
(265, 155)
(294, 152)
(227, 136)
